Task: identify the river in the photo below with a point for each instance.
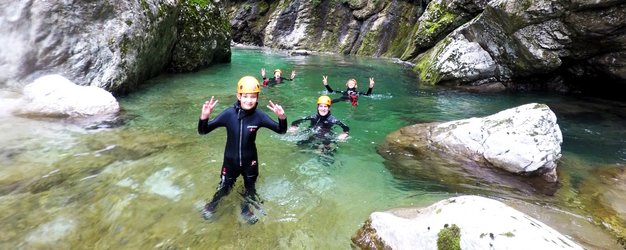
(140, 182)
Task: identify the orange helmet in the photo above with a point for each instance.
(248, 84)
(323, 100)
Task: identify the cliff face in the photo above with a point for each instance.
(378, 28)
(110, 44)
(533, 44)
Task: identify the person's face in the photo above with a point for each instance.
(248, 100)
(323, 109)
(276, 74)
(351, 84)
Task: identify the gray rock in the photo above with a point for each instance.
(484, 224)
(524, 39)
(525, 140)
(114, 45)
(55, 96)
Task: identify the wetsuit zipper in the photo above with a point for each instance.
(240, 137)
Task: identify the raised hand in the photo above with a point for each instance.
(343, 136)
(325, 80)
(293, 74)
(263, 72)
(207, 108)
(293, 129)
(277, 109)
(371, 82)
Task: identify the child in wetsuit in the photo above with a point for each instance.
(321, 124)
(278, 78)
(242, 121)
(350, 94)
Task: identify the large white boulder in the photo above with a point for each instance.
(484, 224)
(522, 140)
(56, 96)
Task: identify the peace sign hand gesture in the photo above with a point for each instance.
(325, 80)
(371, 82)
(263, 72)
(277, 109)
(207, 108)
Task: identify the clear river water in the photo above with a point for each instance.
(141, 182)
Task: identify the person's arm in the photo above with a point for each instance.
(340, 99)
(298, 121)
(325, 82)
(294, 125)
(281, 127)
(369, 91)
(265, 80)
(343, 126)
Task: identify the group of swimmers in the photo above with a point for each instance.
(243, 120)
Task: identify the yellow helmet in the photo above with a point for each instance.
(323, 100)
(248, 84)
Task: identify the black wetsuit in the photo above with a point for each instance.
(322, 125)
(350, 94)
(240, 153)
(274, 81)
(321, 139)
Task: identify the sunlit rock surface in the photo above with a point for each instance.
(523, 140)
(56, 96)
(484, 223)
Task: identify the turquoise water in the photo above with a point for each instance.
(143, 184)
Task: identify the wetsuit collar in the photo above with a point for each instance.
(242, 112)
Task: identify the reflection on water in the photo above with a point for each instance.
(143, 184)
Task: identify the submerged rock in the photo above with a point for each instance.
(484, 224)
(604, 195)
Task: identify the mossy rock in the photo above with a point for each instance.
(449, 238)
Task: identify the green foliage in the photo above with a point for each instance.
(199, 2)
(440, 21)
(449, 238)
(247, 7)
(403, 40)
(369, 43)
(508, 234)
(145, 5)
